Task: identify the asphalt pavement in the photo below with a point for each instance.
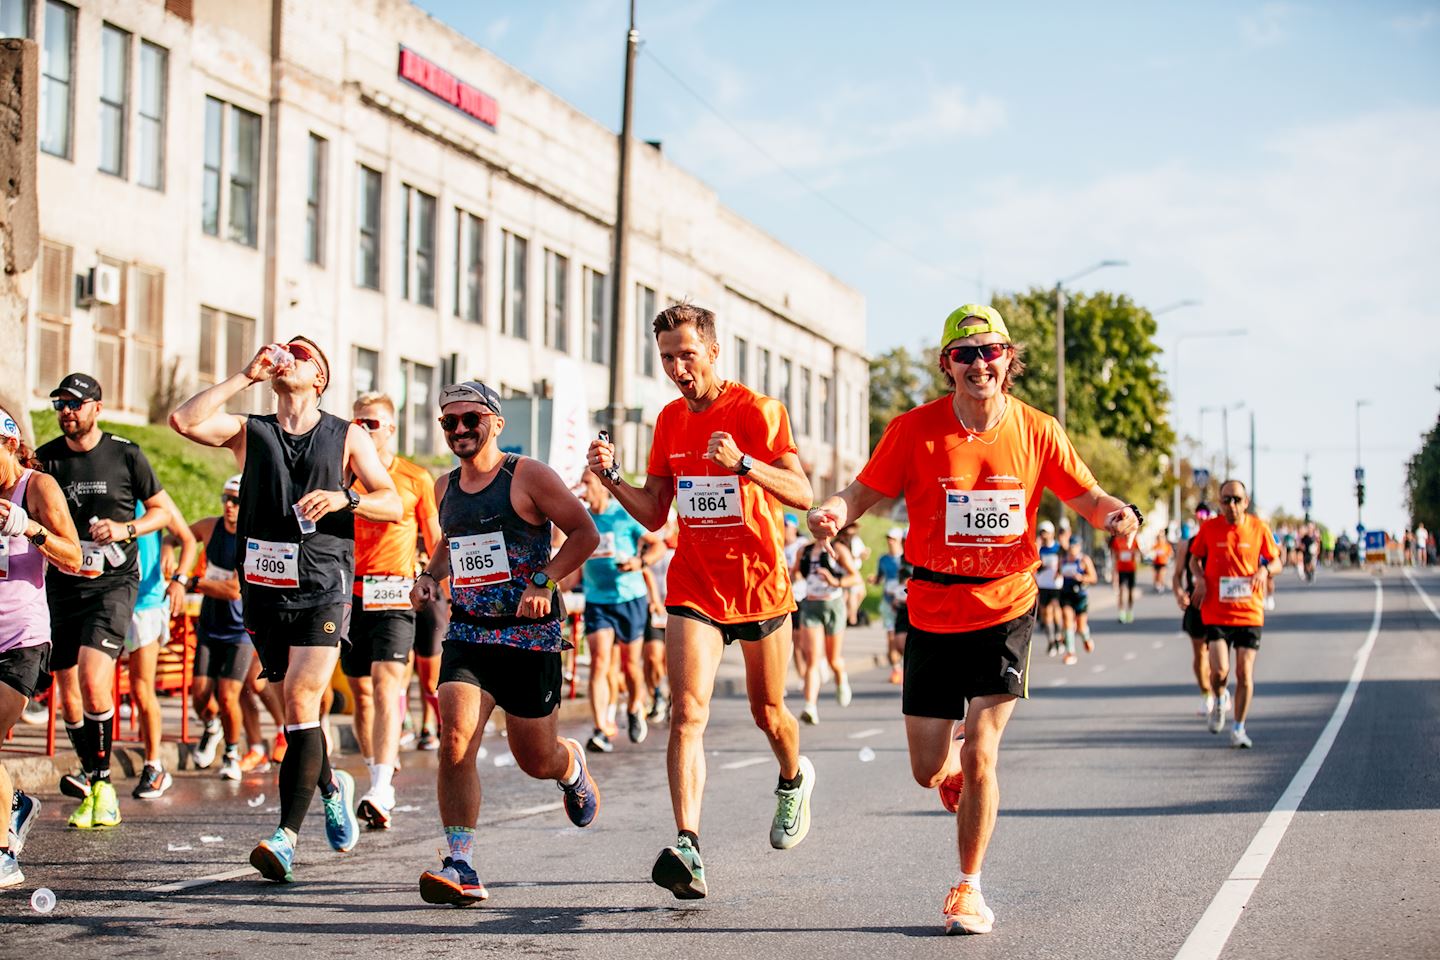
(1126, 829)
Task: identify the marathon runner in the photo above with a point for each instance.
(35, 532)
(1232, 558)
(297, 524)
(1309, 552)
(382, 621)
(828, 574)
(1048, 582)
(1126, 552)
(103, 477)
(1190, 621)
(1077, 573)
(887, 577)
(506, 625)
(725, 456)
(617, 606)
(1160, 559)
(972, 466)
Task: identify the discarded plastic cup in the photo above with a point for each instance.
(255, 801)
(307, 527)
(866, 754)
(42, 900)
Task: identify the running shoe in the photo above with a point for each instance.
(75, 785)
(659, 707)
(599, 742)
(277, 752)
(1217, 716)
(1239, 738)
(897, 674)
(965, 911)
(810, 714)
(1225, 700)
(230, 766)
(679, 870)
(1206, 705)
(1089, 643)
(10, 873)
(204, 752)
(256, 760)
(843, 693)
(35, 714)
(152, 784)
(24, 811)
(274, 858)
(107, 805)
(407, 732)
(950, 789)
(582, 798)
(375, 806)
(341, 827)
(427, 741)
(792, 810)
(1071, 659)
(84, 816)
(1270, 602)
(638, 728)
(455, 883)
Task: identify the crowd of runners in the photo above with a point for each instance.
(328, 550)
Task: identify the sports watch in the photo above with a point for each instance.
(744, 466)
(354, 499)
(40, 537)
(542, 580)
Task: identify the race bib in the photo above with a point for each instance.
(385, 593)
(92, 560)
(606, 548)
(1124, 556)
(4, 558)
(1235, 589)
(219, 574)
(708, 501)
(478, 560)
(270, 564)
(983, 517)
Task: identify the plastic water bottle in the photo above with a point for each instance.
(307, 527)
(113, 551)
(42, 900)
(866, 754)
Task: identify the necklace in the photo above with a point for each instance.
(972, 435)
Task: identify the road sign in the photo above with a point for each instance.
(1374, 546)
(1305, 503)
(1201, 477)
(1359, 474)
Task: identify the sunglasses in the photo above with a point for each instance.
(301, 352)
(1232, 499)
(68, 404)
(231, 500)
(469, 418)
(967, 355)
(368, 423)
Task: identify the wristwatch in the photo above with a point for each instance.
(542, 580)
(354, 499)
(744, 466)
(181, 579)
(130, 529)
(40, 537)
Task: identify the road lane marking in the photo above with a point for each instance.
(1157, 645)
(863, 734)
(1208, 938)
(742, 764)
(1131, 655)
(202, 881)
(541, 808)
(1426, 600)
(1098, 668)
(1059, 682)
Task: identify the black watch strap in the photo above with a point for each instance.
(40, 537)
(354, 499)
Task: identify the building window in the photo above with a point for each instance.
(762, 370)
(469, 266)
(827, 410)
(315, 201)
(114, 88)
(244, 176)
(417, 250)
(367, 248)
(210, 189)
(109, 321)
(150, 119)
(557, 313)
(52, 312)
(742, 361)
(597, 315)
(512, 311)
(416, 433)
(15, 18)
(226, 342)
(804, 402)
(644, 330)
(56, 70)
(365, 371)
(787, 371)
(146, 330)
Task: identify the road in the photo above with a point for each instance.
(1122, 819)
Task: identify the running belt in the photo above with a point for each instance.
(950, 579)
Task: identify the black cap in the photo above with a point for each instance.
(81, 386)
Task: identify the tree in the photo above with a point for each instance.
(1422, 481)
(897, 383)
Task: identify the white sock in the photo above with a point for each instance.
(380, 775)
(971, 878)
(157, 765)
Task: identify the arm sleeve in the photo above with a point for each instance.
(888, 466)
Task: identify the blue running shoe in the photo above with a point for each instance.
(341, 827)
(582, 798)
(274, 858)
(24, 811)
(455, 883)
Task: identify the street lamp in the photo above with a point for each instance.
(1175, 387)
(1359, 474)
(1225, 432)
(1060, 331)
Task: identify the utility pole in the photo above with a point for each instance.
(619, 283)
(1252, 456)
(1060, 355)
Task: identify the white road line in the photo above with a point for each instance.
(1131, 655)
(863, 734)
(742, 764)
(1059, 682)
(1157, 645)
(532, 811)
(1218, 922)
(1098, 668)
(202, 881)
(1426, 600)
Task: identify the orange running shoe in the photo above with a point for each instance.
(278, 752)
(950, 789)
(256, 760)
(965, 911)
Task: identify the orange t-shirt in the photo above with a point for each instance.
(1232, 554)
(972, 505)
(730, 560)
(1126, 552)
(1162, 551)
(388, 549)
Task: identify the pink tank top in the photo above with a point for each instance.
(24, 615)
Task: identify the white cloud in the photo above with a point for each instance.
(1267, 26)
(496, 31)
(1416, 22)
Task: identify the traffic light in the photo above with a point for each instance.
(1360, 494)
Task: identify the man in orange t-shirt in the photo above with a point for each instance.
(382, 623)
(971, 466)
(1233, 557)
(1127, 559)
(725, 457)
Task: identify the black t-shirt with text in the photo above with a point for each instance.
(106, 482)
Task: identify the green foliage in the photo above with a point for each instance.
(1422, 481)
(897, 383)
(193, 475)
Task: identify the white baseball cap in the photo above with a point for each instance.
(895, 533)
(1046, 526)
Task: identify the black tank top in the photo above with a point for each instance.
(222, 619)
(527, 548)
(808, 562)
(280, 468)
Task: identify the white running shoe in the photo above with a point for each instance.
(843, 693)
(810, 714)
(1239, 738)
(204, 751)
(230, 767)
(1217, 716)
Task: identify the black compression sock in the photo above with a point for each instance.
(79, 735)
(99, 728)
(299, 772)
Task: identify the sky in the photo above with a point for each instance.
(1278, 163)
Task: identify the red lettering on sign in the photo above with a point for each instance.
(441, 83)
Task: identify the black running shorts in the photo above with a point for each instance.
(431, 622)
(377, 636)
(274, 632)
(945, 671)
(524, 683)
(749, 631)
(1247, 638)
(26, 669)
(221, 659)
(1126, 578)
(99, 620)
(1192, 624)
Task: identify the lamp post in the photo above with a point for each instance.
(1174, 402)
(1060, 331)
(1224, 412)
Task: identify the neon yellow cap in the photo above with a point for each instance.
(973, 318)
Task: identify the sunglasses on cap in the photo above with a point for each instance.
(68, 404)
(967, 355)
(469, 418)
(368, 423)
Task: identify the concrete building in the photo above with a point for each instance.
(216, 174)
